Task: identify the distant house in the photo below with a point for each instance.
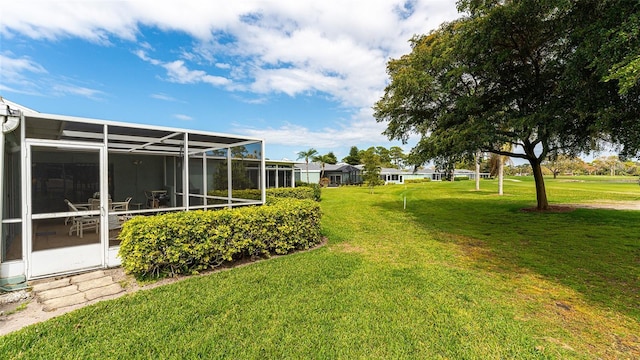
(345, 174)
(470, 174)
(280, 173)
(312, 174)
(338, 174)
(399, 176)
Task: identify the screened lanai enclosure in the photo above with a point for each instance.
(69, 184)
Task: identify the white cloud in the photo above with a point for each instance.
(177, 72)
(255, 48)
(163, 97)
(13, 69)
(182, 117)
(15, 79)
(77, 90)
(142, 54)
(293, 47)
(357, 130)
(251, 100)
(145, 45)
(50, 20)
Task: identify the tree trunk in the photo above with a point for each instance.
(500, 175)
(541, 192)
(307, 171)
(477, 158)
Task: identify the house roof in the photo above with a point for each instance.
(126, 137)
(281, 162)
(317, 167)
(12, 105)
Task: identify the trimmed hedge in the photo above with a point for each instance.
(192, 241)
(417, 181)
(317, 190)
(304, 192)
(253, 194)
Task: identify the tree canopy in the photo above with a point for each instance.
(518, 78)
(371, 168)
(354, 156)
(323, 160)
(331, 158)
(394, 157)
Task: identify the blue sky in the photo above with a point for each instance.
(298, 74)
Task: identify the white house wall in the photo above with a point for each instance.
(314, 176)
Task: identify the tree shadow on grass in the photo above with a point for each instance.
(596, 252)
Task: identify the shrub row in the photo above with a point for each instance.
(304, 192)
(416, 181)
(316, 188)
(253, 194)
(192, 241)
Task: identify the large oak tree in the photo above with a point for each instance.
(523, 79)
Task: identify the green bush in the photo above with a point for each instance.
(417, 181)
(192, 241)
(460, 178)
(304, 192)
(253, 194)
(295, 193)
(317, 190)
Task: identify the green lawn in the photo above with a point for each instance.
(458, 274)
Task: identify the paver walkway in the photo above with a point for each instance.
(73, 290)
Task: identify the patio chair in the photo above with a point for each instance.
(152, 202)
(122, 206)
(95, 203)
(79, 223)
(115, 222)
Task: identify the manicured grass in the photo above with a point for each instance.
(459, 274)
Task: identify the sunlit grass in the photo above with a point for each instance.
(457, 274)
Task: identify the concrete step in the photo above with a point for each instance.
(87, 276)
(48, 285)
(94, 283)
(100, 292)
(75, 290)
(64, 301)
(43, 296)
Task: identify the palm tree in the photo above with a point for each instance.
(323, 159)
(497, 166)
(306, 155)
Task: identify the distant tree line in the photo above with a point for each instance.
(393, 157)
(561, 164)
